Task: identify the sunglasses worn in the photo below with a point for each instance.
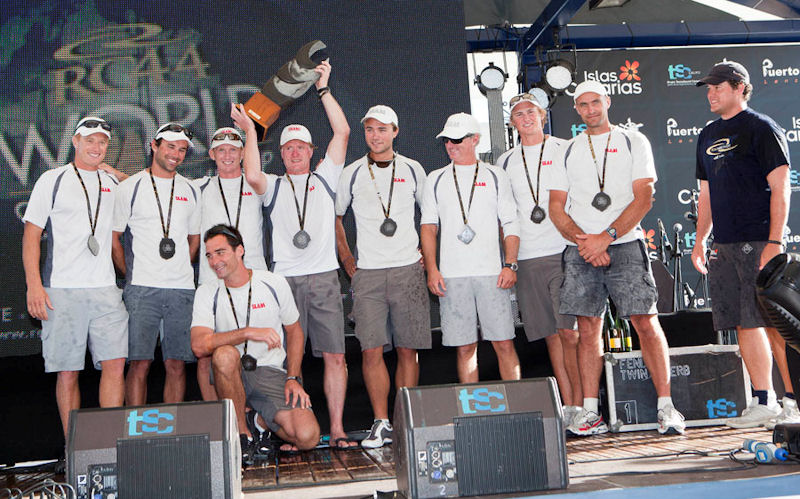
(174, 127)
(94, 124)
(455, 141)
(227, 135)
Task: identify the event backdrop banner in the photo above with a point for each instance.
(139, 64)
(654, 91)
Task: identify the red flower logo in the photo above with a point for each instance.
(630, 71)
(650, 236)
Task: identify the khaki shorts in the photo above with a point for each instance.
(539, 296)
(470, 299)
(319, 301)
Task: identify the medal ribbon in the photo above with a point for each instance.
(92, 224)
(538, 171)
(249, 301)
(164, 227)
(225, 203)
(386, 209)
(471, 192)
(602, 181)
(300, 218)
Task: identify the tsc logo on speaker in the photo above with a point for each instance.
(483, 400)
(721, 408)
(150, 422)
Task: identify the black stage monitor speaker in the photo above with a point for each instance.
(480, 438)
(188, 450)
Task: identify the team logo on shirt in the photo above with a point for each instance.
(247, 193)
(547, 162)
(181, 198)
(480, 184)
(720, 147)
(612, 149)
(259, 305)
(105, 189)
(398, 179)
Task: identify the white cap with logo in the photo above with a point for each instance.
(226, 135)
(459, 125)
(384, 114)
(296, 132)
(92, 124)
(589, 86)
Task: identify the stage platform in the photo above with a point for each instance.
(697, 464)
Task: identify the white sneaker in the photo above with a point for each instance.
(789, 414)
(755, 415)
(570, 411)
(670, 421)
(379, 435)
(587, 423)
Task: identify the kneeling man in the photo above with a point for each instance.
(248, 323)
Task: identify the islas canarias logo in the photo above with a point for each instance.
(720, 147)
(627, 80)
(629, 71)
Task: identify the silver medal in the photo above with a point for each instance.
(93, 245)
(301, 239)
(467, 234)
(166, 248)
(538, 215)
(388, 227)
(601, 201)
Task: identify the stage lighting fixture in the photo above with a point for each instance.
(778, 286)
(559, 75)
(603, 4)
(491, 78)
(541, 96)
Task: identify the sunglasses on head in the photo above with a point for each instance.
(94, 124)
(456, 141)
(228, 136)
(174, 127)
(517, 98)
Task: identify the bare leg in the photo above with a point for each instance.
(407, 372)
(467, 363)
(507, 359)
(136, 382)
(175, 382)
(778, 346)
(228, 381)
(299, 427)
(68, 396)
(376, 379)
(335, 385)
(755, 350)
(569, 345)
(112, 383)
(204, 379)
(655, 351)
(590, 354)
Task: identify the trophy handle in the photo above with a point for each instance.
(263, 111)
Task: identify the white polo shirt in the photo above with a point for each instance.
(375, 250)
(251, 220)
(493, 202)
(136, 214)
(58, 205)
(320, 254)
(542, 239)
(629, 158)
(271, 305)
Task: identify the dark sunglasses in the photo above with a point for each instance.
(456, 141)
(174, 127)
(94, 124)
(227, 135)
(526, 96)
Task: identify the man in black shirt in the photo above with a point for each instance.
(743, 168)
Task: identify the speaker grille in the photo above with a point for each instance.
(176, 467)
(499, 454)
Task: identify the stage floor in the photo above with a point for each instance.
(600, 463)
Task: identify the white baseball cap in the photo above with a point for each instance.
(226, 135)
(174, 131)
(295, 132)
(92, 124)
(589, 86)
(459, 125)
(384, 114)
(525, 97)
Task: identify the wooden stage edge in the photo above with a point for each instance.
(610, 461)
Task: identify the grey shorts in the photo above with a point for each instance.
(391, 306)
(732, 285)
(470, 299)
(538, 295)
(628, 280)
(81, 316)
(264, 389)
(159, 313)
(319, 301)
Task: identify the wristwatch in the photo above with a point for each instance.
(296, 378)
(611, 231)
(513, 266)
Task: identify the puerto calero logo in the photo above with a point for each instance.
(151, 422)
(482, 400)
(681, 75)
(776, 74)
(627, 80)
(678, 135)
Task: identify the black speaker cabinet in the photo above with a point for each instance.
(189, 450)
(480, 438)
